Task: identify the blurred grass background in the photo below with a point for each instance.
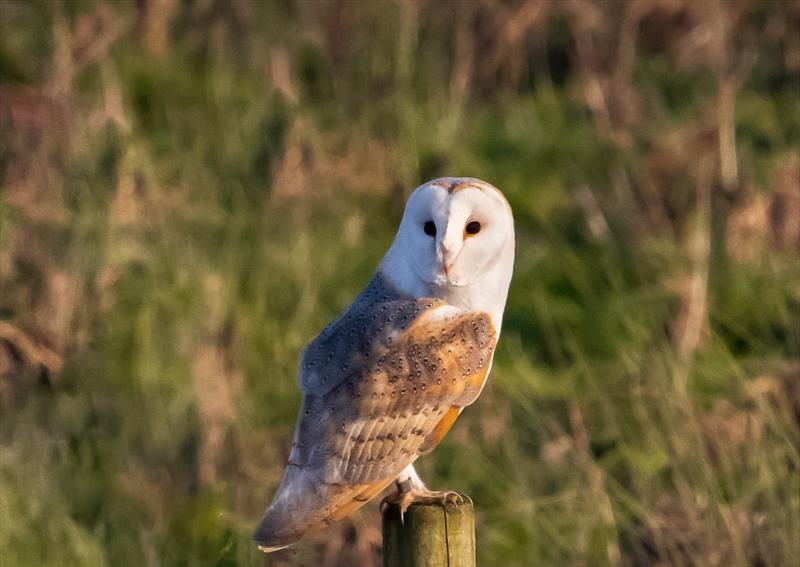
(192, 189)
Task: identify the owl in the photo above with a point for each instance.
(384, 382)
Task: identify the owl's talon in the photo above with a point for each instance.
(447, 499)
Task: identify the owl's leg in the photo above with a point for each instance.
(410, 489)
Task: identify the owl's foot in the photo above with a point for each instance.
(406, 495)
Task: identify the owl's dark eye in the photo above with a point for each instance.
(473, 227)
(430, 228)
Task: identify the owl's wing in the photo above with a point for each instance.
(401, 371)
(345, 347)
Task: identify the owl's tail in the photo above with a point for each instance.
(290, 514)
(304, 503)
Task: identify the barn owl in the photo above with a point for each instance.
(384, 382)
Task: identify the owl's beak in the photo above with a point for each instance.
(447, 263)
(448, 258)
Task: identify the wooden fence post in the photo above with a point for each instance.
(430, 535)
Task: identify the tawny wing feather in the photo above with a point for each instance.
(382, 384)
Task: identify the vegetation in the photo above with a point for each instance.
(192, 189)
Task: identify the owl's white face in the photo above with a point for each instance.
(455, 232)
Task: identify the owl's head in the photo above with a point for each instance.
(454, 233)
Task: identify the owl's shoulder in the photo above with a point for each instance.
(379, 314)
(379, 304)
